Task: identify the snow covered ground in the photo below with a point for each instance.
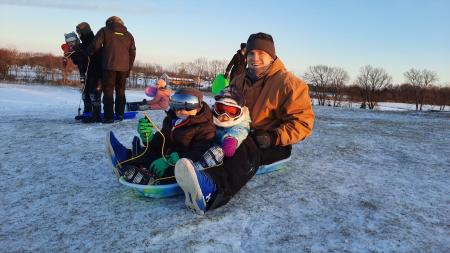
(365, 181)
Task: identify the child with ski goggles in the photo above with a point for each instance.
(232, 120)
(187, 131)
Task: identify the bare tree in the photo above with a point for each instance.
(338, 79)
(319, 77)
(215, 67)
(372, 81)
(421, 80)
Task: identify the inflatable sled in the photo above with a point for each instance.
(126, 115)
(169, 190)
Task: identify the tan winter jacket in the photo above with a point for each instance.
(279, 101)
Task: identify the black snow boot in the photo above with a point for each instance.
(211, 158)
(95, 114)
(136, 175)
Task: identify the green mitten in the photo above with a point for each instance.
(159, 166)
(173, 158)
(145, 130)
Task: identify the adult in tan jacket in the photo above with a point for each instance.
(281, 115)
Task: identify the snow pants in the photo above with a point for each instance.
(236, 171)
(114, 81)
(92, 94)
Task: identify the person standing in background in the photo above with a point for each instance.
(119, 52)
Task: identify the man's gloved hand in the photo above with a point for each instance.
(145, 130)
(264, 139)
(159, 166)
(229, 146)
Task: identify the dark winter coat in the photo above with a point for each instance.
(191, 138)
(80, 60)
(95, 60)
(118, 45)
(237, 65)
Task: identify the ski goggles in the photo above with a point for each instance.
(231, 110)
(185, 102)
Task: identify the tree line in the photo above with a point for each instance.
(48, 68)
(329, 85)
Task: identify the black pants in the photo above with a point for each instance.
(93, 92)
(114, 81)
(236, 171)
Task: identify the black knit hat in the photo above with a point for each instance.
(114, 19)
(261, 41)
(83, 28)
(191, 91)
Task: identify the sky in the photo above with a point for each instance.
(396, 35)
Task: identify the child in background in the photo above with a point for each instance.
(188, 131)
(161, 99)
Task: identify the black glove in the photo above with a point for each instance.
(264, 139)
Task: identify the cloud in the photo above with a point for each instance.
(136, 8)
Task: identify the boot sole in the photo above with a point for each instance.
(187, 180)
(112, 156)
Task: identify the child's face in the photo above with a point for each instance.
(223, 118)
(182, 113)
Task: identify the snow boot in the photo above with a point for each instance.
(199, 188)
(211, 158)
(119, 153)
(135, 175)
(95, 114)
(107, 121)
(137, 148)
(79, 117)
(119, 117)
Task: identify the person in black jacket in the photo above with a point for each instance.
(92, 71)
(119, 52)
(238, 64)
(187, 131)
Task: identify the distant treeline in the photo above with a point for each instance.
(329, 85)
(19, 66)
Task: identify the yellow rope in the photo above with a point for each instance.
(146, 147)
(162, 152)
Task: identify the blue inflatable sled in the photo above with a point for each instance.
(169, 190)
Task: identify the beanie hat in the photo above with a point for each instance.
(243, 45)
(191, 91)
(261, 41)
(114, 19)
(160, 83)
(83, 28)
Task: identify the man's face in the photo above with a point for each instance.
(258, 59)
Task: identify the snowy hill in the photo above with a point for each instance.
(364, 182)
